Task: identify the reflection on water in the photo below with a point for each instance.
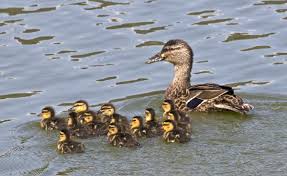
(239, 43)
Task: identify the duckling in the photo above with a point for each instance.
(184, 125)
(207, 97)
(66, 145)
(91, 125)
(137, 128)
(151, 125)
(73, 126)
(109, 110)
(173, 134)
(49, 120)
(120, 139)
(80, 107)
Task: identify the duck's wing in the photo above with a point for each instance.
(221, 96)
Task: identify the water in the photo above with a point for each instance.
(56, 52)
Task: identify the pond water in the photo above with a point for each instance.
(56, 52)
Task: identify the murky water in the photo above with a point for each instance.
(56, 52)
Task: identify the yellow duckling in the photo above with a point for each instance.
(167, 106)
(109, 111)
(91, 125)
(66, 145)
(173, 134)
(185, 125)
(73, 126)
(137, 128)
(80, 107)
(151, 125)
(120, 139)
(48, 119)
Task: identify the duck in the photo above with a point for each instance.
(67, 145)
(109, 111)
(48, 119)
(80, 107)
(120, 139)
(184, 124)
(172, 134)
(136, 127)
(208, 97)
(91, 125)
(151, 125)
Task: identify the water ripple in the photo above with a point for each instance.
(33, 41)
(129, 25)
(16, 11)
(245, 36)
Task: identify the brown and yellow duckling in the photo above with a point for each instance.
(120, 139)
(48, 119)
(173, 134)
(168, 106)
(80, 107)
(202, 97)
(66, 145)
(91, 126)
(136, 127)
(151, 125)
(109, 111)
(184, 125)
(73, 125)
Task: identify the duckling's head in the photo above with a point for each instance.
(80, 106)
(136, 122)
(87, 117)
(113, 129)
(47, 112)
(167, 105)
(64, 135)
(72, 119)
(149, 115)
(168, 125)
(176, 51)
(108, 109)
(115, 118)
(172, 115)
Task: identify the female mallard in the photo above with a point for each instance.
(49, 121)
(203, 97)
(66, 145)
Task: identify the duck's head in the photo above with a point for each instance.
(64, 135)
(149, 115)
(108, 109)
(172, 115)
(47, 112)
(176, 51)
(87, 117)
(80, 106)
(168, 125)
(113, 129)
(72, 119)
(115, 118)
(167, 105)
(136, 122)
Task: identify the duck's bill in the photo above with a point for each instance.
(155, 58)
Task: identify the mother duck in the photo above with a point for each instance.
(202, 97)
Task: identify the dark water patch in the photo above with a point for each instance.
(104, 4)
(232, 24)
(66, 51)
(3, 121)
(276, 54)
(245, 36)
(278, 63)
(131, 81)
(150, 43)
(203, 72)
(272, 2)
(256, 48)
(281, 10)
(69, 170)
(37, 171)
(87, 54)
(49, 54)
(201, 12)
(151, 30)
(244, 83)
(285, 18)
(101, 16)
(34, 40)
(107, 78)
(201, 61)
(16, 11)
(1, 33)
(207, 22)
(79, 4)
(138, 96)
(31, 30)
(18, 95)
(101, 65)
(129, 25)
